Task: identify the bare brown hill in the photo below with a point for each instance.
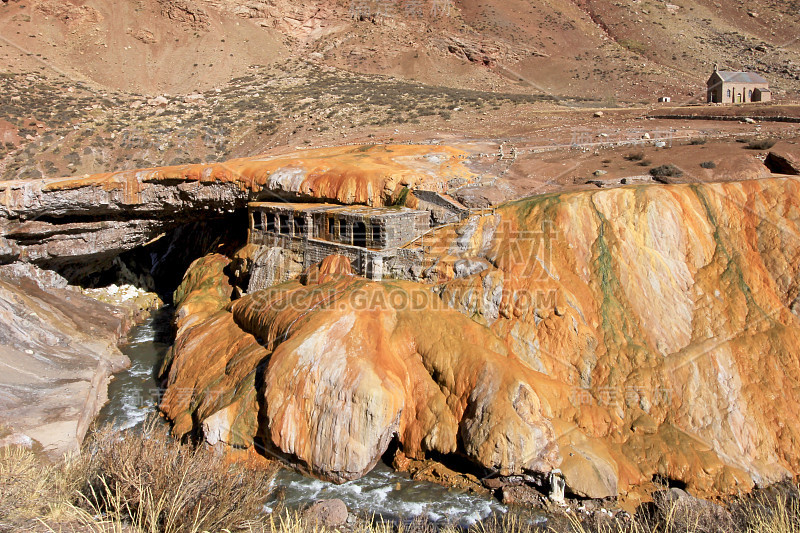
(625, 50)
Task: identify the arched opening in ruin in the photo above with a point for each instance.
(359, 234)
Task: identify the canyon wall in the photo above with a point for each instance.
(58, 350)
(670, 312)
(613, 337)
(87, 221)
(620, 336)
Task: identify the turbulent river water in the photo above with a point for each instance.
(383, 492)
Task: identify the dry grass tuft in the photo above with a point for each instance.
(161, 485)
(143, 481)
(24, 484)
(134, 481)
(31, 487)
(761, 144)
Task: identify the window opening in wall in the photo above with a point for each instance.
(359, 234)
(377, 235)
(299, 226)
(285, 226)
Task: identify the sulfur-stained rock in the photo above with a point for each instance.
(60, 221)
(351, 365)
(671, 322)
(211, 366)
(638, 332)
(394, 361)
(588, 468)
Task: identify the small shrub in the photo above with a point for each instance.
(761, 144)
(708, 164)
(156, 483)
(697, 141)
(644, 163)
(31, 487)
(662, 172)
(634, 46)
(635, 156)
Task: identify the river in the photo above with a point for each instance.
(382, 492)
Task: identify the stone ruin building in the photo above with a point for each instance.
(292, 236)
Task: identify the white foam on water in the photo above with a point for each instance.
(386, 493)
(138, 370)
(134, 413)
(132, 392)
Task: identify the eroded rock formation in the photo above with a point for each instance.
(347, 366)
(58, 349)
(56, 222)
(669, 311)
(617, 334)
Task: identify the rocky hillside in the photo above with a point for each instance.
(624, 336)
(89, 88)
(621, 50)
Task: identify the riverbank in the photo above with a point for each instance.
(58, 351)
(140, 479)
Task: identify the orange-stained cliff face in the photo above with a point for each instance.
(617, 334)
(366, 174)
(670, 313)
(350, 364)
(60, 221)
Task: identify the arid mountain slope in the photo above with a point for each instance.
(623, 50)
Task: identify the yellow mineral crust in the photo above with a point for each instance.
(371, 174)
(618, 335)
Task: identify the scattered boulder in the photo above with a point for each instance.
(588, 470)
(686, 512)
(158, 101)
(143, 35)
(195, 98)
(522, 494)
(469, 267)
(329, 513)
